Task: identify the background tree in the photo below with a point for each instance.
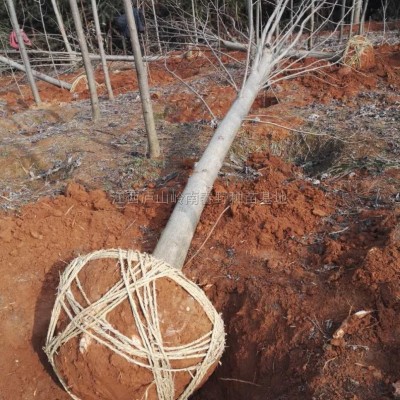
(154, 147)
(86, 60)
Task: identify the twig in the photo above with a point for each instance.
(240, 381)
(69, 209)
(5, 198)
(68, 166)
(357, 346)
(317, 326)
(128, 226)
(336, 232)
(256, 120)
(208, 236)
(327, 362)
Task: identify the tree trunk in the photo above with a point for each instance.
(177, 235)
(250, 47)
(291, 12)
(22, 49)
(196, 39)
(277, 31)
(357, 11)
(258, 23)
(342, 18)
(36, 74)
(154, 147)
(156, 26)
(124, 46)
(352, 19)
(101, 50)
(86, 60)
(61, 26)
(363, 14)
(312, 26)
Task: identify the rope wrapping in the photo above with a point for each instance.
(137, 284)
(357, 48)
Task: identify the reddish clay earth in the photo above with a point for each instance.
(289, 261)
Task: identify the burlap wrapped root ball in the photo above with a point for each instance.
(359, 53)
(126, 326)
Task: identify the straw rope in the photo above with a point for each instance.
(139, 273)
(80, 78)
(355, 48)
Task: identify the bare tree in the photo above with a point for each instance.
(363, 14)
(156, 26)
(86, 60)
(385, 5)
(101, 50)
(61, 27)
(312, 24)
(194, 21)
(342, 18)
(270, 63)
(291, 10)
(22, 49)
(357, 11)
(154, 147)
(352, 19)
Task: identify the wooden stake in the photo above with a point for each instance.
(86, 60)
(24, 54)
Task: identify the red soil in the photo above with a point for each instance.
(282, 282)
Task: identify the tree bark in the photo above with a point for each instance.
(177, 235)
(352, 19)
(258, 24)
(36, 74)
(86, 60)
(342, 22)
(101, 50)
(196, 39)
(277, 31)
(24, 54)
(156, 26)
(312, 26)
(357, 11)
(154, 147)
(291, 12)
(363, 14)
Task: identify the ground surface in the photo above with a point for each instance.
(298, 251)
